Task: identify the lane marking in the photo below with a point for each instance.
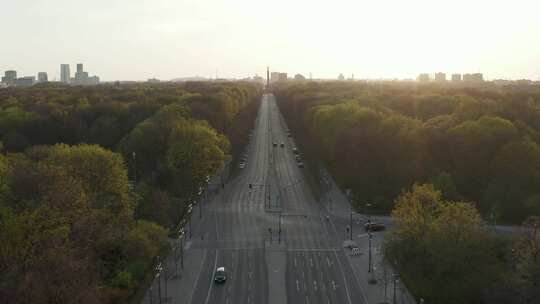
(297, 285)
(199, 274)
(212, 279)
(315, 285)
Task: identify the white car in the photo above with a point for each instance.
(221, 275)
(242, 165)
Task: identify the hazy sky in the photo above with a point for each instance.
(139, 39)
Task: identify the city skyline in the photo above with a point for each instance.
(165, 39)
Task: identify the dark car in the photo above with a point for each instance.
(298, 158)
(282, 145)
(300, 165)
(221, 275)
(274, 144)
(374, 227)
(295, 151)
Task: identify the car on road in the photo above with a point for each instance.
(282, 145)
(374, 227)
(298, 158)
(295, 150)
(300, 165)
(221, 275)
(242, 165)
(274, 144)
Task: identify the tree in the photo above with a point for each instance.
(515, 182)
(441, 248)
(195, 152)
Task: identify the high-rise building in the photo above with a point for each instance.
(10, 77)
(456, 77)
(423, 77)
(82, 78)
(440, 77)
(475, 77)
(42, 77)
(277, 76)
(65, 74)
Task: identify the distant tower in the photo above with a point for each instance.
(42, 77)
(267, 77)
(80, 68)
(65, 75)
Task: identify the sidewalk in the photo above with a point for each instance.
(177, 285)
(382, 291)
(379, 284)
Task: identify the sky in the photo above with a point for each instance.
(166, 39)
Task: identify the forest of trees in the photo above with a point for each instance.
(93, 180)
(443, 161)
(475, 144)
(446, 254)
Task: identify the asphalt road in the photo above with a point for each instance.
(238, 229)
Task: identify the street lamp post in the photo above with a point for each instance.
(369, 263)
(200, 204)
(351, 222)
(279, 231)
(395, 276)
(190, 230)
(134, 155)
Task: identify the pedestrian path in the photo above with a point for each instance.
(379, 284)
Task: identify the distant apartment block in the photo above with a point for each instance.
(277, 76)
(341, 77)
(423, 77)
(27, 81)
(65, 74)
(42, 77)
(456, 77)
(9, 78)
(476, 77)
(440, 77)
(82, 78)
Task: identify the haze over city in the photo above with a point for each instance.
(137, 40)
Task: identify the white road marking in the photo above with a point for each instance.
(297, 285)
(328, 262)
(211, 280)
(295, 263)
(315, 285)
(334, 285)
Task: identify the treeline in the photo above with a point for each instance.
(445, 253)
(475, 144)
(93, 180)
